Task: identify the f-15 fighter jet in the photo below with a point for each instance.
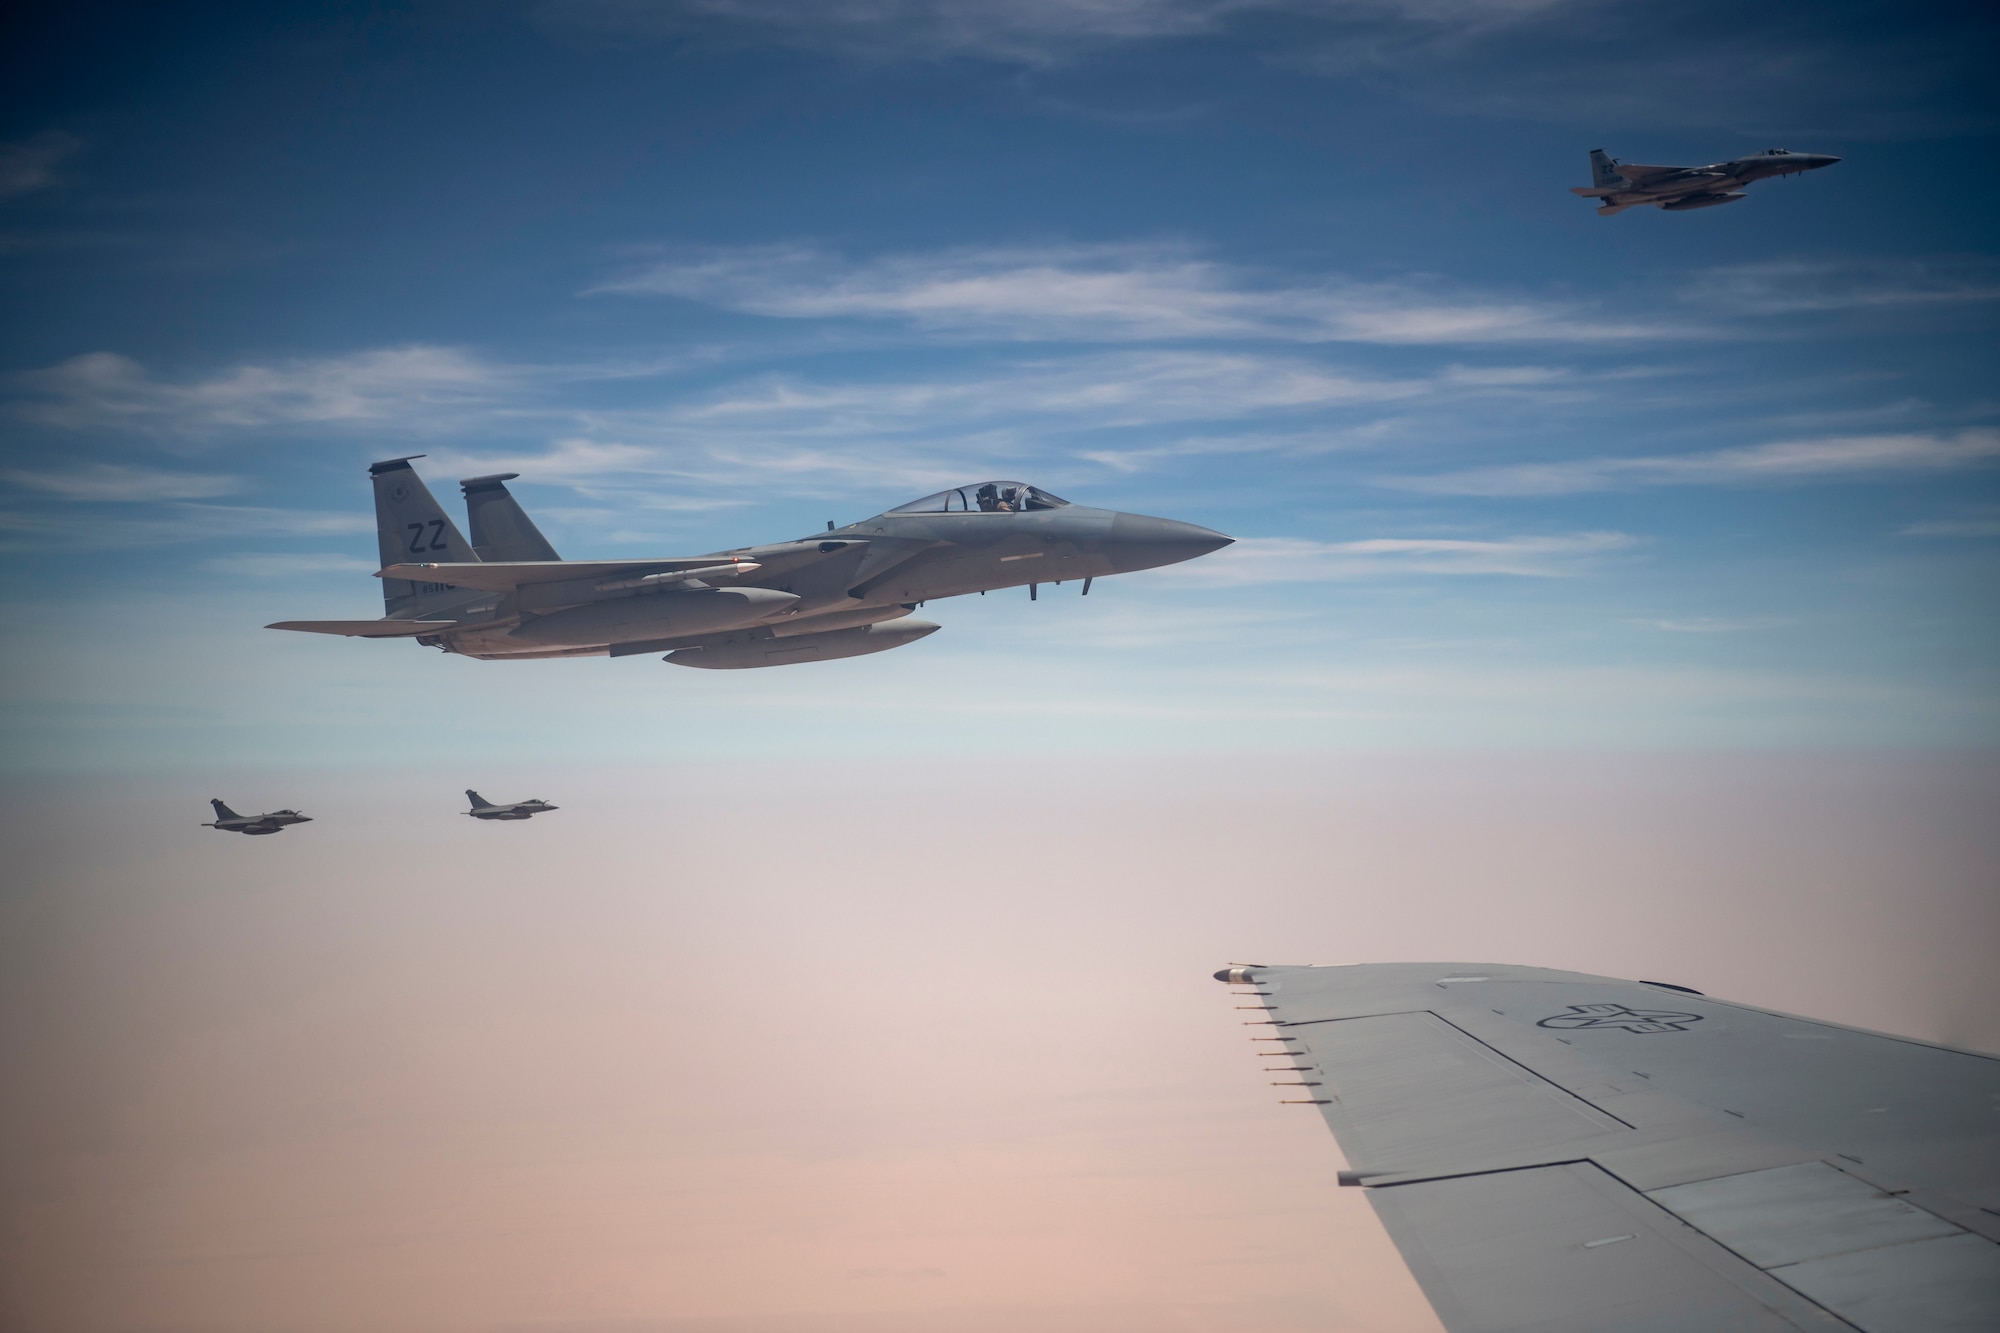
(1618, 186)
(277, 821)
(485, 809)
(841, 593)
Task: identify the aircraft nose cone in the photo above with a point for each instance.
(1140, 542)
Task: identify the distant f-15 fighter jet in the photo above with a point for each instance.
(275, 821)
(485, 809)
(842, 593)
(1618, 186)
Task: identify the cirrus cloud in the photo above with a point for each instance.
(1793, 460)
(1132, 292)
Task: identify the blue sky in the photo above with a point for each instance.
(1503, 473)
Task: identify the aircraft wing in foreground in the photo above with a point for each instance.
(1566, 1153)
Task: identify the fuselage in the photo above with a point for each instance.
(1719, 181)
(866, 573)
(512, 810)
(255, 825)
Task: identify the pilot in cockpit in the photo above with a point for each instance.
(993, 500)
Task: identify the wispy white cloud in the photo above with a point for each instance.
(1794, 286)
(279, 566)
(50, 530)
(1982, 526)
(1255, 560)
(28, 165)
(122, 482)
(1118, 293)
(1115, 389)
(1029, 32)
(1704, 625)
(407, 385)
(1796, 460)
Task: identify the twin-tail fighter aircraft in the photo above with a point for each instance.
(275, 821)
(506, 594)
(485, 809)
(1578, 1154)
(1618, 186)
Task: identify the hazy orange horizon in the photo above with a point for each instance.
(840, 1048)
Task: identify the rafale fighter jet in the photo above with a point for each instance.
(840, 593)
(277, 821)
(1572, 1153)
(485, 809)
(1618, 186)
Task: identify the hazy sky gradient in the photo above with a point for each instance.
(712, 272)
(1611, 594)
(933, 1049)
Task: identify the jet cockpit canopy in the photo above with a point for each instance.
(989, 497)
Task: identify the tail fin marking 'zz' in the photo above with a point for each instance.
(1604, 171)
(501, 529)
(410, 527)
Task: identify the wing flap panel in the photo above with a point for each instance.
(1567, 1249)
(1410, 1090)
(1861, 1252)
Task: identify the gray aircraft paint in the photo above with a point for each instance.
(1618, 186)
(509, 811)
(506, 595)
(273, 821)
(501, 529)
(1569, 1153)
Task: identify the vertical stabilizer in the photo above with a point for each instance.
(222, 811)
(478, 802)
(501, 530)
(410, 527)
(1604, 171)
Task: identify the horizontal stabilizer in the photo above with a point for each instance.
(505, 576)
(1590, 192)
(368, 629)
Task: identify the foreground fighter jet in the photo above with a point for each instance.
(841, 593)
(1573, 1154)
(485, 809)
(275, 822)
(1618, 186)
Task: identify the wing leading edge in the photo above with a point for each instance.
(1556, 1151)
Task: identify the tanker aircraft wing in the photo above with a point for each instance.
(1569, 1153)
